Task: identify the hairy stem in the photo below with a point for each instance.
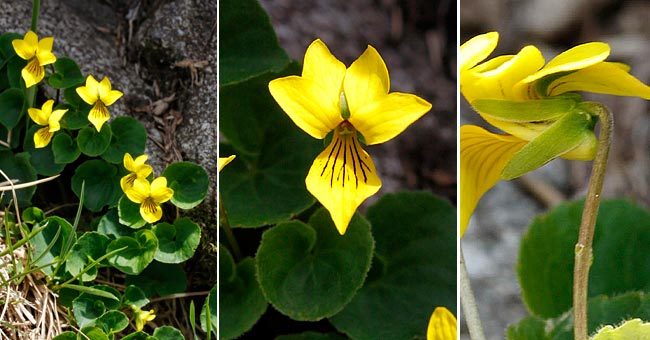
(223, 223)
(583, 249)
(468, 302)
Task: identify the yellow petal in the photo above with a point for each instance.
(26, 47)
(150, 210)
(159, 190)
(366, 81)
(98, 115)
(41, 116)
(384, 119)
(106, 94)
(477, 49)
(44, 54)
(442, 325)
(32, 73)
(55, 119)
(575, 58)
(223, 161)
(495, 79)
(140, 190)
(606, 78)
(88, 93)
(308, 104)
(322, 67)
(342, 177)
(42, 137)
(126, 182)
(483, 155)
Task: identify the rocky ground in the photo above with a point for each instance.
(492, 241)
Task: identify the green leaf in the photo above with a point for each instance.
(88, 290)
(128, 136)
(177, 243)
(49, 243)
(241, 302)
(603, 310)
(93, 143)
(67, 74)
(12, 107)
(168, 333)
(208, 317)
(6, 48)
(33, 215)
(414, 269)
(67, 335)
(138, 254)
(139, 336)
(65, 149)
(189, 182)
(87, 308)
(630, 329)
(129, 213)
(160, 278)
(248, 45)
(110, 226)
(77, 116)
(265, 184)
(42, 159)
(133, 295)
(89, 247)
(102, 184)
(546, 254)
(18, 167)
(93, 333)
(312, 336)
(310, 272)
(112, 321)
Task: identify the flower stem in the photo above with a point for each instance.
(468, 302)
(225, 224)
(583, 249)
(36, 8)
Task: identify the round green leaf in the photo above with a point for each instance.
(160, 278)
(546, 255)
(42, 159)
(93, 333)
(65, 149)
(33, 215)
(89, 247)
(129, 213)
(139, 336)
(87, 307)
(6, 48)
(249, 46)
(12, 103)
(67, 74)
(128, 136)
(102, 184)
(189, 182)
(93, 143)
(110, 226)
(50, 242)
(312, 336)
(168, 333)
(18, 167)
(208, 317)
(241, 302)
(177, 243)
(265, 184)
(77, 116)
(310, 272)
(139, 252)
(414, 269)
(112, 321)
(133, 295)
(67, 335)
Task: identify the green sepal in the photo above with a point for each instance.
(527, 111)
(562, 136)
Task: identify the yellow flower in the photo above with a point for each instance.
(38, 53)
(535, 104)
(223, 161)
(348, 101)
(442, 325)
(142, 317)
(48, 118)
(149, 196)
(100, 95)
(137, 168)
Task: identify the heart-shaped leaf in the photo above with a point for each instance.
(12, 107)
(189, 182)
(139, 252)
(65, 149)
(93, 143)
(168, 333)
(42, 159)
(88, 248)
(310, 271)
(67, 74)
(128, 135)
(129, 213)
(18, 167)
(177, 243)
(102, 184)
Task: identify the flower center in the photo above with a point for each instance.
(346, 160)
(149, 205)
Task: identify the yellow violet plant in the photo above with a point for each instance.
(55, 126)
(541, 114)
(351, 103)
